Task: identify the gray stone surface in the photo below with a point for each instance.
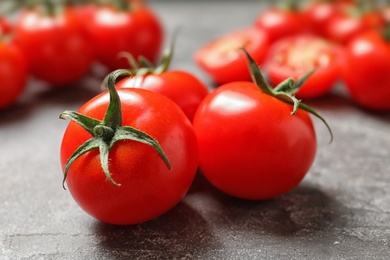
(340, 211)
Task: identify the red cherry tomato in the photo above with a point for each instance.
(250, 146)
(183, 88)
(148, 188)
(366, 70)
(137, 31)
(319, 14)
(57, 47)
(13, 74)
(297, 55)
(279, 23)
(223, 60)
(344, 27)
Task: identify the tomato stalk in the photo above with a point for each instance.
(107, 132)
(285, 91)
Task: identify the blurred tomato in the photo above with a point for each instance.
(57, 46)
(136, 30)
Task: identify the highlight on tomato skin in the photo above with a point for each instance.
(223, 60)
(296, 55)
(365, 70)
(145, 186)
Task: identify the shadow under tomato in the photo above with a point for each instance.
(301, 212)
(179, 233)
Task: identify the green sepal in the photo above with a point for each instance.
(107, 132)
(285, 91)
(89, 145)
(85, 122)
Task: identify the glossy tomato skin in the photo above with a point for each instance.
(183, 88)
(13, 74)
(250, 146)
(57, 47)
(278, 23)
(138, 32)
(295, 56)
(223, 59)
(366, 70)
(344, 27)
(148, 188)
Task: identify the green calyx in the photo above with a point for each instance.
(105, 133)
(285, 91)
(143, 66)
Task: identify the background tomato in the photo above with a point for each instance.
(137, 31)
(183, 88)
(297, 55)
(148, 188)
(223, 60)
(250, 146)
(13, 74)
(279, 23)
(57, 47)
(366, 70)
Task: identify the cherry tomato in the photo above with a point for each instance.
(320, 13)
(223, 60)
(57, 47)
(137, 31)
(5, 26)
(366, 70)
(250, 146)
(183, 88)
(279, 23)
(344, 26)
(148, 188)
(13, 74)
(296, 55)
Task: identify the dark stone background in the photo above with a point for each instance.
(340, 211)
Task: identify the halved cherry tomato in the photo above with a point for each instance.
(223, 60)
(297, 55)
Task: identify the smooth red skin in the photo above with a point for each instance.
(5, 26)
(13, 74)
(366, 71)
(57, 48)
(148, 188)
(230, 70)
(278, 23)
(183, 88)
(319, 14)
(344, 27)
(319, 83)
(137, 32)
(250, 146)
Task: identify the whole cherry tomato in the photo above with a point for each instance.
(296, 55)
(250, 145)
(13, 74)
(186, 90)
(319, 13)
(56, 45)
(279, 23)
(222, 58)
(344, 26)
(129, 155)
(135, 30)
(366, 70)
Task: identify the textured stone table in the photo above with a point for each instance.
(340, 211)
